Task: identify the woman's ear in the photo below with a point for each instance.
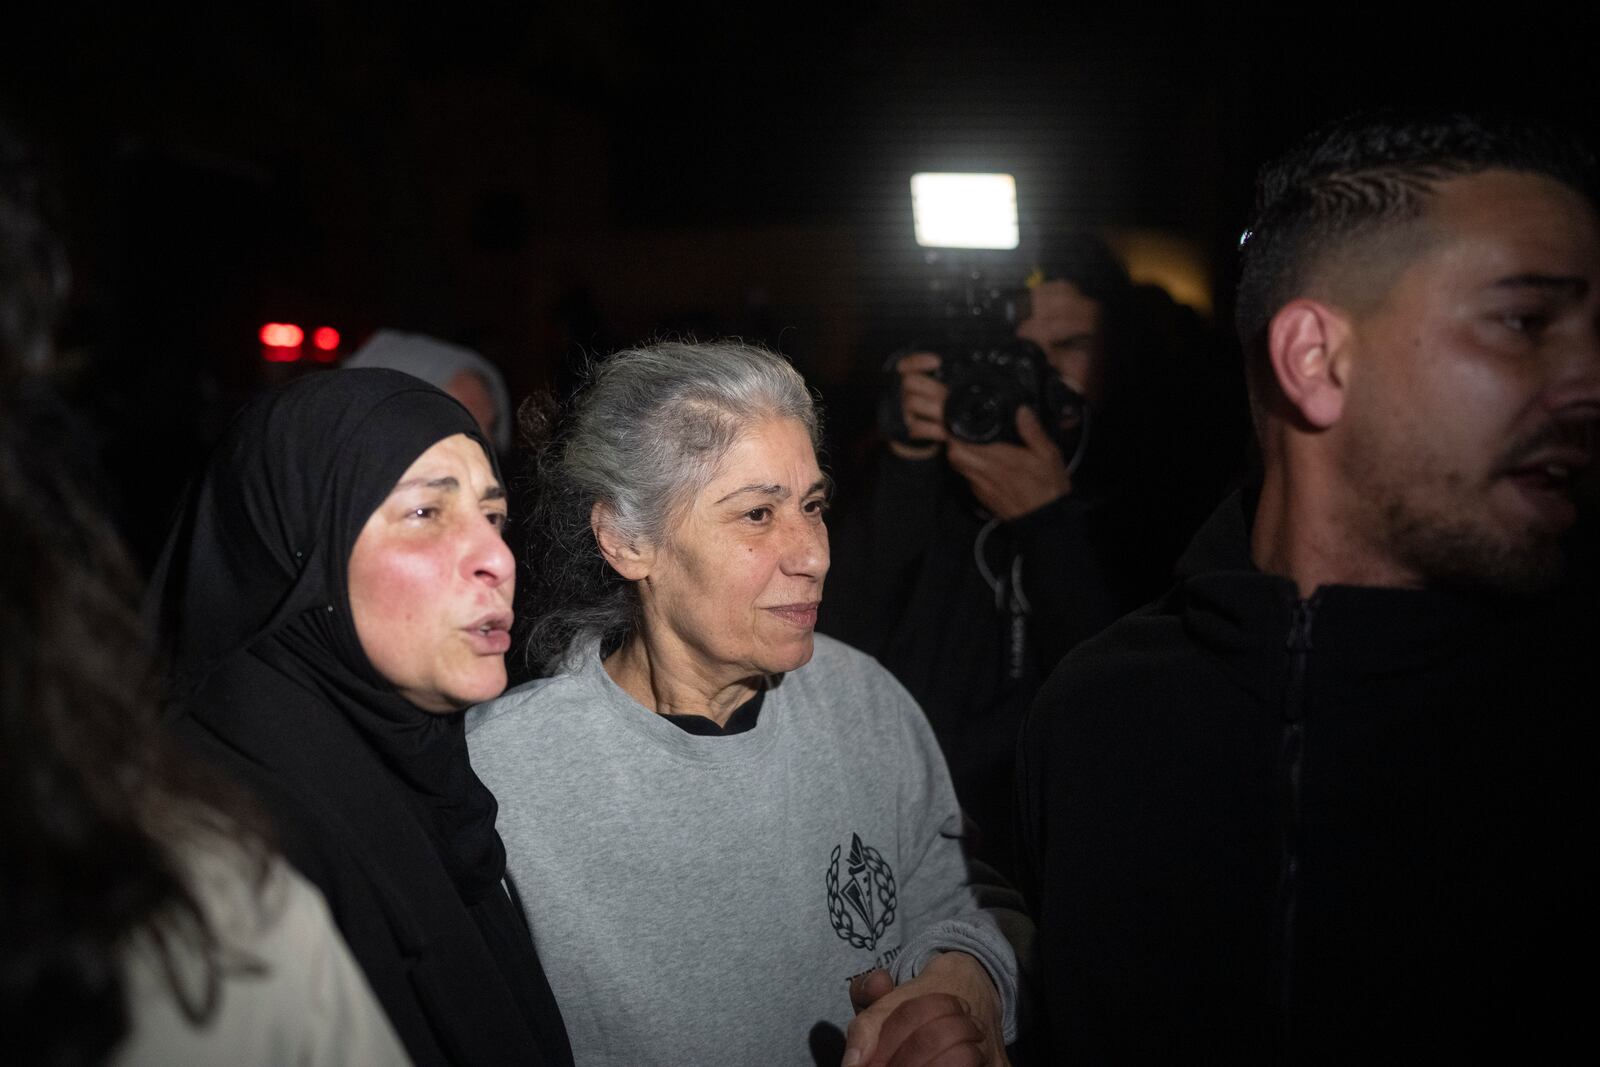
(626, 558)
(1307, 341)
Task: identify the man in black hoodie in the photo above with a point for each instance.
(1328, 800)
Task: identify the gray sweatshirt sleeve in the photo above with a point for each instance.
(961, 906)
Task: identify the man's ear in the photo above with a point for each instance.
(1308, 342)
(626, 558)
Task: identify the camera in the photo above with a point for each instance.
(988, 383)
(966, 225)
(990, 374)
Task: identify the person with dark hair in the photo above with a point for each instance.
(147, 918)
(970, 569)
(733, 833)
(336, 592)
(1327, 799)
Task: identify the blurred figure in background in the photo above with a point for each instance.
(147, 921)
(970, 569)
(461, 372)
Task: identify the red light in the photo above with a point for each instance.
(280, 342)
(282, 335)
(325, 338)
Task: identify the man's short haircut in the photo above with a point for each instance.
(1363, 174)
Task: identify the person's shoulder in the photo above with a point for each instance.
(1145, 650)
(1146, 634)
(303, 828)
(827, 652)
(287, 984)
(858, 695)
(271, 910)
(835, 664)
(524, 707)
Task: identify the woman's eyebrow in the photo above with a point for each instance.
(448, 483)
(765, 490)
(776, 490)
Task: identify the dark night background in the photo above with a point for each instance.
(538, 180)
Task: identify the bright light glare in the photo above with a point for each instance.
(325, 338)
(964, 210)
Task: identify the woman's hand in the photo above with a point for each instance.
(948, 1015)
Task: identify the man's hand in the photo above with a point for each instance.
(1012, 480)
(921, 406)
(948, 1015)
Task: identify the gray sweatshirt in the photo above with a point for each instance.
(706, 900)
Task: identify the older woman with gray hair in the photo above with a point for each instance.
(733, 833)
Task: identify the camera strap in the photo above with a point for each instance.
(1010, 602)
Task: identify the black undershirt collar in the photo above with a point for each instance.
(743, 719)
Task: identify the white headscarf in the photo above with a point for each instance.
(437, 363)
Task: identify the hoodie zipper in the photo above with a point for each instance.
(1290, 765)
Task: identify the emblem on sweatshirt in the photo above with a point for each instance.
(862, 904)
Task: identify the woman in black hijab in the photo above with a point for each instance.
(336, 592)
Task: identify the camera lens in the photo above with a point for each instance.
(976, 413)
(981, 411)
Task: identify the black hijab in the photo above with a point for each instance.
(375, 797)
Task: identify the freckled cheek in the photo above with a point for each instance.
(744, 585)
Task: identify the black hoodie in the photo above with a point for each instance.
(1345, 828)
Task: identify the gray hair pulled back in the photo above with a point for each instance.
(646, 431)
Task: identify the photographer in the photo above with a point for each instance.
(970, 569)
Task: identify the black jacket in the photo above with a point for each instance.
(1262, 829)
